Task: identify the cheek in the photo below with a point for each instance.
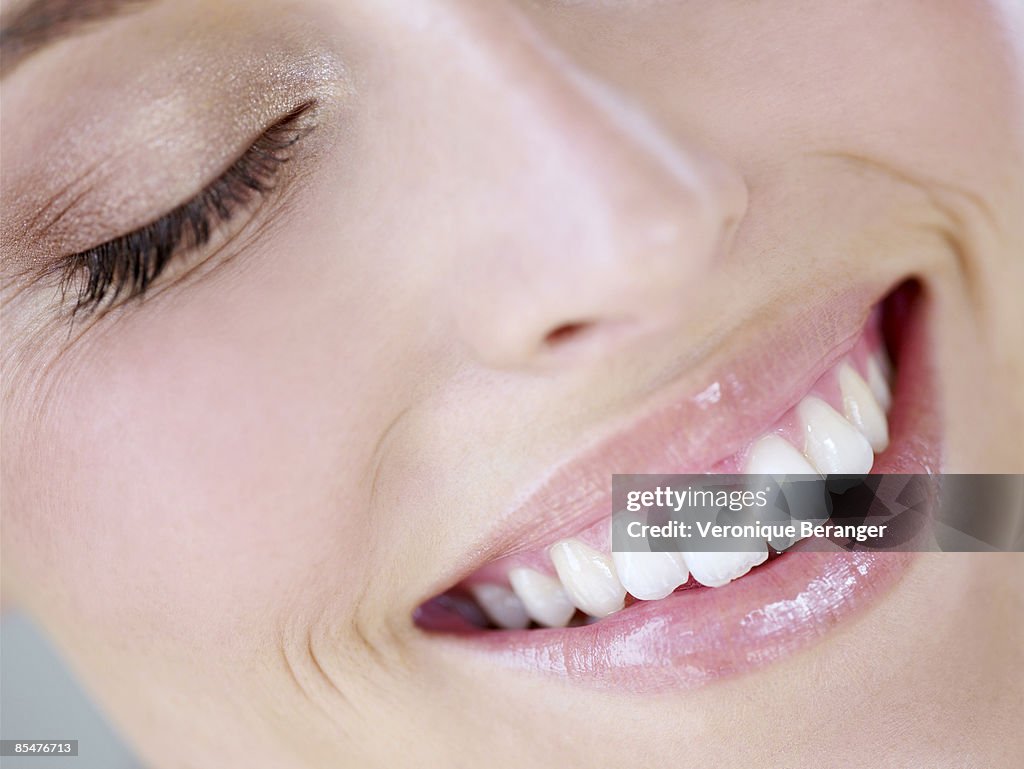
(196, 462)
(928, 85)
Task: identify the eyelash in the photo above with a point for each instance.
(125, 267)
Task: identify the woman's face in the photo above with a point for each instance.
(516, 245)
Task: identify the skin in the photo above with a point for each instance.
(225, 501)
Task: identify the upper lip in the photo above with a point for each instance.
(709, 414)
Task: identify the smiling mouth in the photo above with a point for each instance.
(559, 601)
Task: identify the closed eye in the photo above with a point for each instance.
(125, 267)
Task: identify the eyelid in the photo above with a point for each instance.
(126, 266)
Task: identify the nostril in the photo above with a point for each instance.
(565, 333)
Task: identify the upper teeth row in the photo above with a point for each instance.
(597, 584)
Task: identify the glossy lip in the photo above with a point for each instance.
(700, 634)
(731, 396)
(695, 636)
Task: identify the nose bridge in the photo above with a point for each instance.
(566, 117)
(595, 214)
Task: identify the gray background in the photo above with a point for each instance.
(40, 700)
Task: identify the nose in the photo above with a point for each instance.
(583, 225)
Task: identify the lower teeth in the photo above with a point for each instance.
(590, 585)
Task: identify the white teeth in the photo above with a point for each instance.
(862, 409)
(596, 584)
(588, 577)
(650, 576)
(545, 600)
(717, 569)
(501, 606)
(878, 368)
(831, 443)
(774, 455)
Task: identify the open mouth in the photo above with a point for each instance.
(559, 601)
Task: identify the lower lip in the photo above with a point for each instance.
(698, 635)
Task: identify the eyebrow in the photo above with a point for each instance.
(41, 23)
